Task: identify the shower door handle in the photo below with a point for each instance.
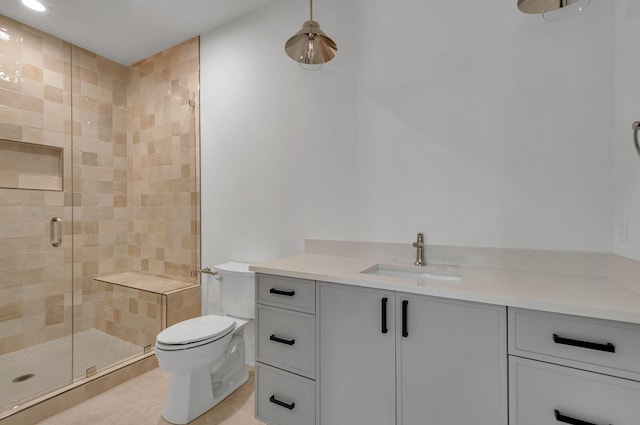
(55, 231)
(636, 128)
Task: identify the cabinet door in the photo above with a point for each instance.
(452, 366)
(356, 373)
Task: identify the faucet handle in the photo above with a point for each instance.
(419, 243)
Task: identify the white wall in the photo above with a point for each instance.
(278, 143)
(626, 170)
(467, 120)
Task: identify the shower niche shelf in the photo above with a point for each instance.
(30, 166)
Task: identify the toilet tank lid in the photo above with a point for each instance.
(233, 267)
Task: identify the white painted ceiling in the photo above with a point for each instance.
(127, 31)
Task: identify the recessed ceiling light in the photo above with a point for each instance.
(34, 5)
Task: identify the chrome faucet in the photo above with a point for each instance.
(419, 244)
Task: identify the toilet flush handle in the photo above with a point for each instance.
(207, 270)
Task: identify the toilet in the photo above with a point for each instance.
(205, 356)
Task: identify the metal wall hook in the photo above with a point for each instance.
(636, 128)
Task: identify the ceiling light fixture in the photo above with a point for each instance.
(310, 47)
(34, 5)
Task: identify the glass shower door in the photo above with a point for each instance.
(35, 214)
(35, 294)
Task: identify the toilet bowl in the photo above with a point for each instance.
(205, 356)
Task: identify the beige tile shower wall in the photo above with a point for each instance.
(35, 86)
(163, 163)
(133, 190)
(35, 107)
(100, 167)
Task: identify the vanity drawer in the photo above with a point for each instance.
(283, 398)
(537, 390)
(286, 292)
(599, 345)
(287, 339)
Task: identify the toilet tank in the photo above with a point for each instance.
(237, 289)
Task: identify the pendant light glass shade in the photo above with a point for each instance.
(311, 47)
(560, 9)
(552, 10)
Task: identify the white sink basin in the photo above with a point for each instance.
(441, 273)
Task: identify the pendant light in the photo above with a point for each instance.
(310, 47)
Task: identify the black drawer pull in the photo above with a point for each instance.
(279, 292)
(384, 315)
(274, 400)
(608, 347)
(569, 420)
(282, 341)
(405, 308)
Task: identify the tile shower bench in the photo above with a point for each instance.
(136, 307)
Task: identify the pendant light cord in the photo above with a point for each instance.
(311, 9)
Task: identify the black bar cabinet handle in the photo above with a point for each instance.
(384, 315)
(569, 420)
(282, 341)
(274, 400)
(608, 347)
(279, 292)
(405, 307)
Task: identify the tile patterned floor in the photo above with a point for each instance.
(140, 402)
(50, 362)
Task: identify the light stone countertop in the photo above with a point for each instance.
(592, 296)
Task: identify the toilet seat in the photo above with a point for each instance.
(195, 332)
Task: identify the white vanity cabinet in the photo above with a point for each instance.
(572, 370)
(285, 350)
(387, 357)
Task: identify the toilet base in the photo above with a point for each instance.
(241, 377)
(193, 394)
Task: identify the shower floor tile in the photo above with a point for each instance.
(50, 363)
